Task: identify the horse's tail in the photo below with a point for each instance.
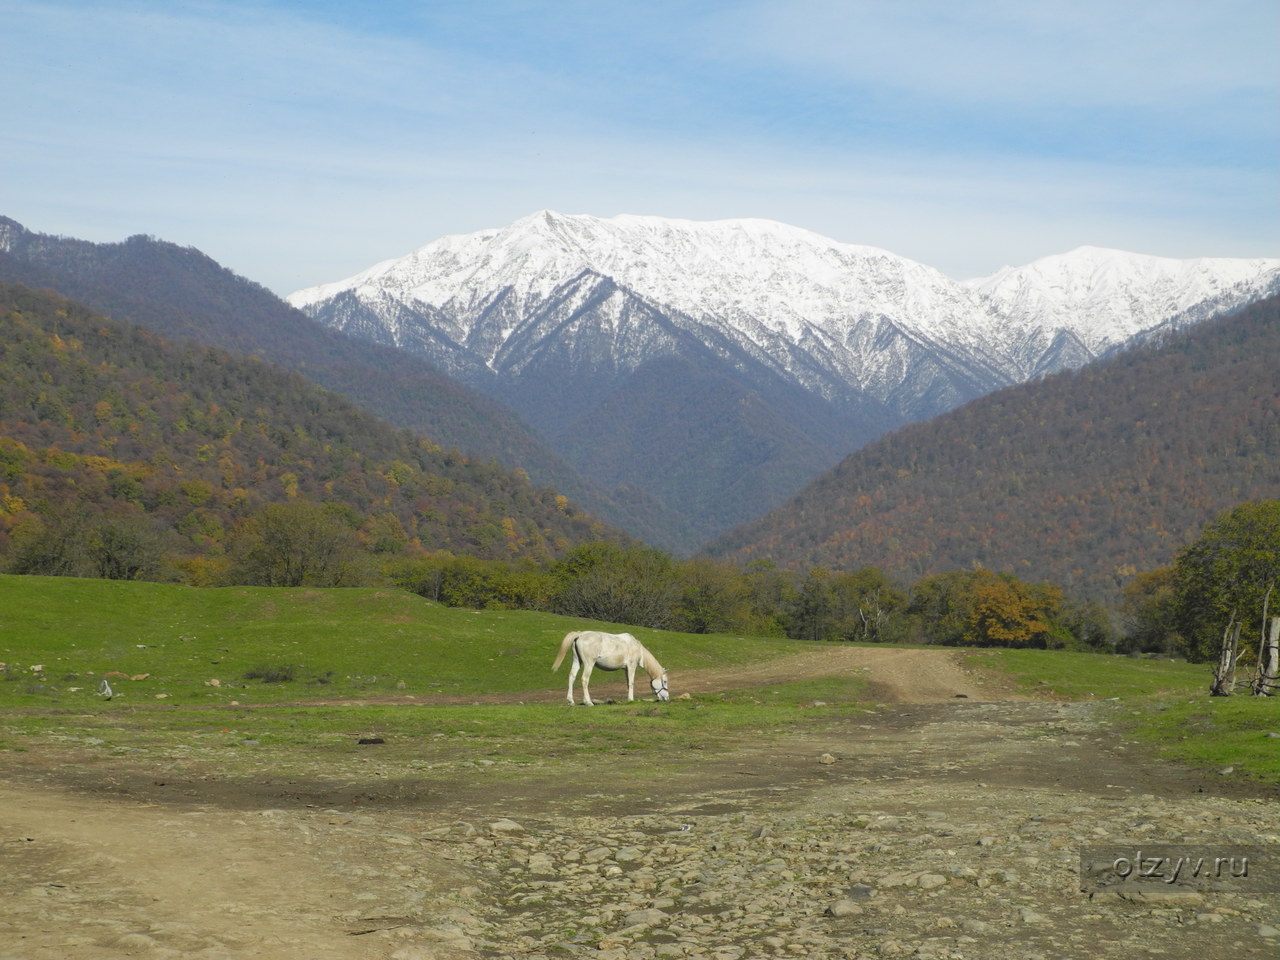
(565, 644)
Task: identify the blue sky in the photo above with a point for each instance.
(300, 142)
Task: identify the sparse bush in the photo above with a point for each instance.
(273, 673)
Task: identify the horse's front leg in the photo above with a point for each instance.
(586, 678)
(631, 682)
(573, 675)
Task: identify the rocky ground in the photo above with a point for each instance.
(949, 828)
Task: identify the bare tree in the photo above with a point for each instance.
(1266, 680)
(1224, 676)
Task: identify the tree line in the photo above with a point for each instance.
(1221, 585)
(1218, 600)
(642, 586)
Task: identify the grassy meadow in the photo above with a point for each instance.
(200, 676)
(249, 681)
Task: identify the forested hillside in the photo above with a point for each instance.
(1080, 479)
(102, 420)
(184, 295)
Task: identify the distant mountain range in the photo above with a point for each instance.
(717, 365)
(1081, 478)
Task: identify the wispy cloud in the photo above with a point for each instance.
(1120, 53)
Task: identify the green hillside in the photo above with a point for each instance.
(338, 642)
(302, 674)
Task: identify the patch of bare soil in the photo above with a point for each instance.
(959, 779)
(894, 675)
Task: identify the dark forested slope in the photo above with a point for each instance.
(110, 419)
(1080, 478)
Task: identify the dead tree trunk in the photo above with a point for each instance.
(1224, 677)
(1266, 681)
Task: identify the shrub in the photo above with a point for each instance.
(273, 673)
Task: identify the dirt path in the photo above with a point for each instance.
(945, 825)
(894, 675)
(88, 878)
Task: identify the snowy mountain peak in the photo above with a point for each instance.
(783, 276)
(836, 319)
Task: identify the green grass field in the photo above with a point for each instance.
(332, 644)
(187, 668)
(249, 680)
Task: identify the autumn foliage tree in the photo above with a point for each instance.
(982, 608)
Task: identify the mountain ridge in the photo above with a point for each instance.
(102, 420)
(674, 421)
(775, 289)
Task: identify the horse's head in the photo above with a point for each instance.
(659, 685)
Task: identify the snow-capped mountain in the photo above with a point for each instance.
(837, 319)
(649, 349)
(831, 317)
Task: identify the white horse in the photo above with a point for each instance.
(610, 651)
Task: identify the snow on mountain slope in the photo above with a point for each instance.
(823, 313)
(1106, 297)
(838, 319)
(783, 275)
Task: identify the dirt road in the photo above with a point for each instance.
(944, 824)
(894, 675)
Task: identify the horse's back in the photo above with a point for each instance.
(608, 651)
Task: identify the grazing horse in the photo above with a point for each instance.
(610, 651)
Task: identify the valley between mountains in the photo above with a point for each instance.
(947, 825)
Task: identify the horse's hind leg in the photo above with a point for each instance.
(573, 675)
(586, 678)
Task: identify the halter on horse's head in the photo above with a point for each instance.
(659, 685)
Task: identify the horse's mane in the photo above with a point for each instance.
(650, 662)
